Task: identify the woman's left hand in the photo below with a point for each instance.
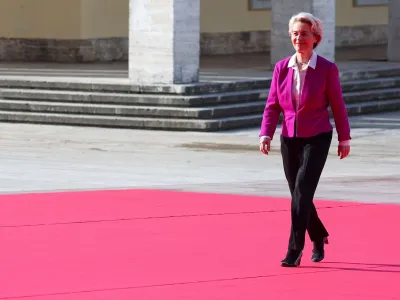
(343, 151)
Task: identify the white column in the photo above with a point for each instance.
(283, 10)
(164, 41)
(394, 31)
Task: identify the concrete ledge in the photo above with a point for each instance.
(373, 107)
(371, 95)
(209, 101)
(77, 84)
(135, 99)
(370, 84)
(134, 123)
(219, 109)
(217, 124)
(134, 111)
(123, 86)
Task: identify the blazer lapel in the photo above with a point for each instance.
(289, 93)
(308, 80)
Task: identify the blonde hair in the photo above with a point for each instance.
(314, 22)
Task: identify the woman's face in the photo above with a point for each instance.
(302, 38)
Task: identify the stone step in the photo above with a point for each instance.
(131, 122)
(206, 112)
(216, 99)
(124, 86)
(373, 107)
(135, 99)
(371, 95)
(159, 111)
(372, 73)
(370, 84)
(172, 123)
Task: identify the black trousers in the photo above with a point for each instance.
(303, 162)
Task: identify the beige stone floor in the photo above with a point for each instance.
(54, 158)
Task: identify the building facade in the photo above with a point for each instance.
(98, 30)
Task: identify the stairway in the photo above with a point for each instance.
(198, 107)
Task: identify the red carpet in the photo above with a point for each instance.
(161, 245)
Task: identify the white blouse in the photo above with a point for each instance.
(298, 83)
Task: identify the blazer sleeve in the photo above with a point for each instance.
(335, 96)
(272, 108)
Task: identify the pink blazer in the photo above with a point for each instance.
(321, 89)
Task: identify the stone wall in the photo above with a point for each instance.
(259, 41)
(116, 49)
(52, 50)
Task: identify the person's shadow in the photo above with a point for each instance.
(357, 266)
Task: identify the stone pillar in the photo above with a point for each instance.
(164, 41)
(394, 31)
(283, 10)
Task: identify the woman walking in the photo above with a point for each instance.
(303, 86)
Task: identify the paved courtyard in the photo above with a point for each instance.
(54, 158)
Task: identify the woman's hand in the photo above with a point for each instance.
(265, 144)
(343, 151)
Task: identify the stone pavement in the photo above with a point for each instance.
(54, 158)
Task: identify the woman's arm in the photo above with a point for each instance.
(337, 104)
(272, 108)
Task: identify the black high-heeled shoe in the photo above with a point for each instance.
(292, 259)
(318, 252)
